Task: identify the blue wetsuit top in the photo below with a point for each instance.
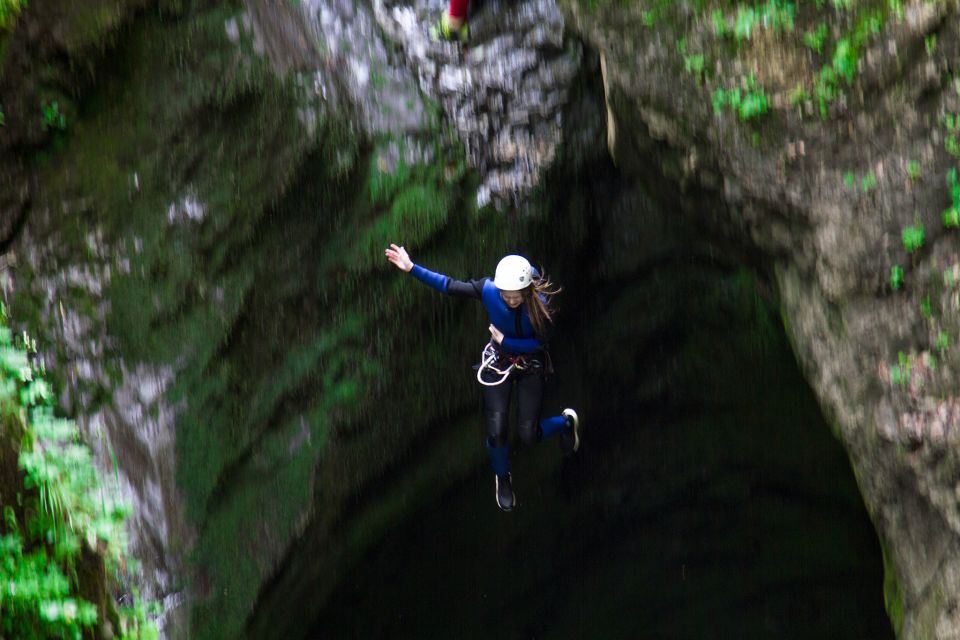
(518, 334)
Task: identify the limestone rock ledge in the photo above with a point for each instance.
(826, 190)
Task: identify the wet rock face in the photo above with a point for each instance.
(74, 269)
(338, 54)
(265, 224)
(339, 45)
(829, 189)
(132, 434)
(504, 92)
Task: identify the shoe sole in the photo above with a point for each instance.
(496, 495)
(570, 413)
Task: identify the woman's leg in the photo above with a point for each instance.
(496, 409)
(452, 25)
(531, 428)
(552, 425)
(529, 399)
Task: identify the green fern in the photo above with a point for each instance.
(63, 510)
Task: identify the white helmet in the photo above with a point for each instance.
(513, 273)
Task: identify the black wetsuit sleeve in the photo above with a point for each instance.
(468, 289)
(447, 285)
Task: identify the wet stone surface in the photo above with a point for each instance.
(504, 91)
(119, 406)
(378, 85)
(344, 65)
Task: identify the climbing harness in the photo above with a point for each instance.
(491, 357)
(487, 359)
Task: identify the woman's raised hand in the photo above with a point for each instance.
(399, 257)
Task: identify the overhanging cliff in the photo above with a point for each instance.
(199, 239)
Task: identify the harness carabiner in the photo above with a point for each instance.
(488, 357)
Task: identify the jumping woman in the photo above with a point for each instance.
(517, 301)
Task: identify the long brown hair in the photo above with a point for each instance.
(537, 297)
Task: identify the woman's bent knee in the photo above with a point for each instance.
(497, 428)
(529, 432)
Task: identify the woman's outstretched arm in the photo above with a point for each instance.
(399, 257)
(444, 284)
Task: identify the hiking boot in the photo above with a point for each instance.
(443, 31)
(571, 432)
(505, 497)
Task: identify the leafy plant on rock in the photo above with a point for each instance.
(900, 372)
(9, 10)
(896, 277)
(912, 236)
(693, 64)
(61, 518)
(816, 38)
(775, 15)
(748, 104)
(943, 341)
(52, 117)
(844, 60)
(951, 216)
(913, 169)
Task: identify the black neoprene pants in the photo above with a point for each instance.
(496, 405)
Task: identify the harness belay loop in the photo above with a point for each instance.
(491, 357)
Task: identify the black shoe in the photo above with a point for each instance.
(505, 497)
(571, 432)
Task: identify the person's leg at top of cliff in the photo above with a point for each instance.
(452, 25)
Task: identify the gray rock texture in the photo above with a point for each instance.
(825, 197)
(504, 91)
(202, 246)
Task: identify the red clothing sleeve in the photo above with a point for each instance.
(458, 8)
